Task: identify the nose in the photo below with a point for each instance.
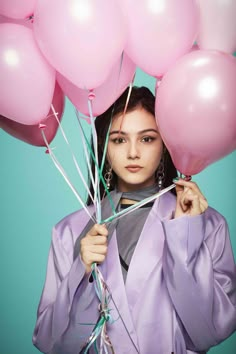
(133, 151)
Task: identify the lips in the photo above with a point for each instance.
(133, 168)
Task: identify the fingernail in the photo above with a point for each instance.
(175, 179)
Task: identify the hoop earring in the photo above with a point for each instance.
(108, 177)
(160, 174)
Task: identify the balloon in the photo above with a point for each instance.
(159, 32)
(31, 134)
(25, 22)
(196, 109)
(217, 25)
(27, 80)
(17, 8)
(119, 78)
(89, 42)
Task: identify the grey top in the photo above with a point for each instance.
(129, 227)
(128, 230)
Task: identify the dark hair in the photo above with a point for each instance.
(140, 97)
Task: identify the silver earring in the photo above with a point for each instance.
(160, 174)
(108, 177)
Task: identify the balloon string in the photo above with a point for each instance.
(105, 148)
(63, 173)
(98, 169)
(85, 149)
(97, 180)
(126, 104)
(135, 206)
(100, 329)
(72, 154)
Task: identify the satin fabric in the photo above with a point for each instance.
(179, 296)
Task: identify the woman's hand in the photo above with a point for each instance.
(93, 247)
(190, 200)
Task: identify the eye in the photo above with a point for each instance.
(118, 140)
(147, 139)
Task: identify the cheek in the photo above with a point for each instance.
(155, 156)
(113, 156)
(115, 153)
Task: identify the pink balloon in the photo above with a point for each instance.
(119, 78)
(25, 22)
(17, 8)
(159, 32)
(196, 109)
(27, 80)
(31, 134)
(217, 25)
(82, 39)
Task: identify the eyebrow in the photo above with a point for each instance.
(140, 132)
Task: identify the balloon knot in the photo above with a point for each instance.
(91, 95)
(42, 126)
(30, 17)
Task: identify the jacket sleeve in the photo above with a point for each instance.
(199, 271)
(64, 277)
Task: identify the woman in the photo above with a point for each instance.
(169, 266)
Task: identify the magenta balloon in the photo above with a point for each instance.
(82, 39)
(119, 78)
(17, 8)
(217, 29)
(159, 32)
(27, 80)
(196, 109)
(31, 134)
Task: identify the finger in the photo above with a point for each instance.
(179, 189)
(195, 189)
(98, 240)
(98, 249)
(192, 201)
(189, 197)
(196, 208)
(88, 241)
(90, 258)
(98, 229)
(203, 204)
(184, 203)
(189, 184)
(99, 258)
(185, 199)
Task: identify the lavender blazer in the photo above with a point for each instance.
(179, 296)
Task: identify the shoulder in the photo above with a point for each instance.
(72, 224)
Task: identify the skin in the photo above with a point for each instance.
(137, 144)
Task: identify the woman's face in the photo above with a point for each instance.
(134, 149)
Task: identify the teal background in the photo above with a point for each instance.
(34, 197)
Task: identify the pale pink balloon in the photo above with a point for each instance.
(217, 28)
(17, 8)
(196, 109)
(160, 32)
(119, 78)
(27, 80)
(31, 134)
(82, 39)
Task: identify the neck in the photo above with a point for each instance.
(128, 201)
(132, 197)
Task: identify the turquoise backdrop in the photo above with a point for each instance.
(34, 197)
